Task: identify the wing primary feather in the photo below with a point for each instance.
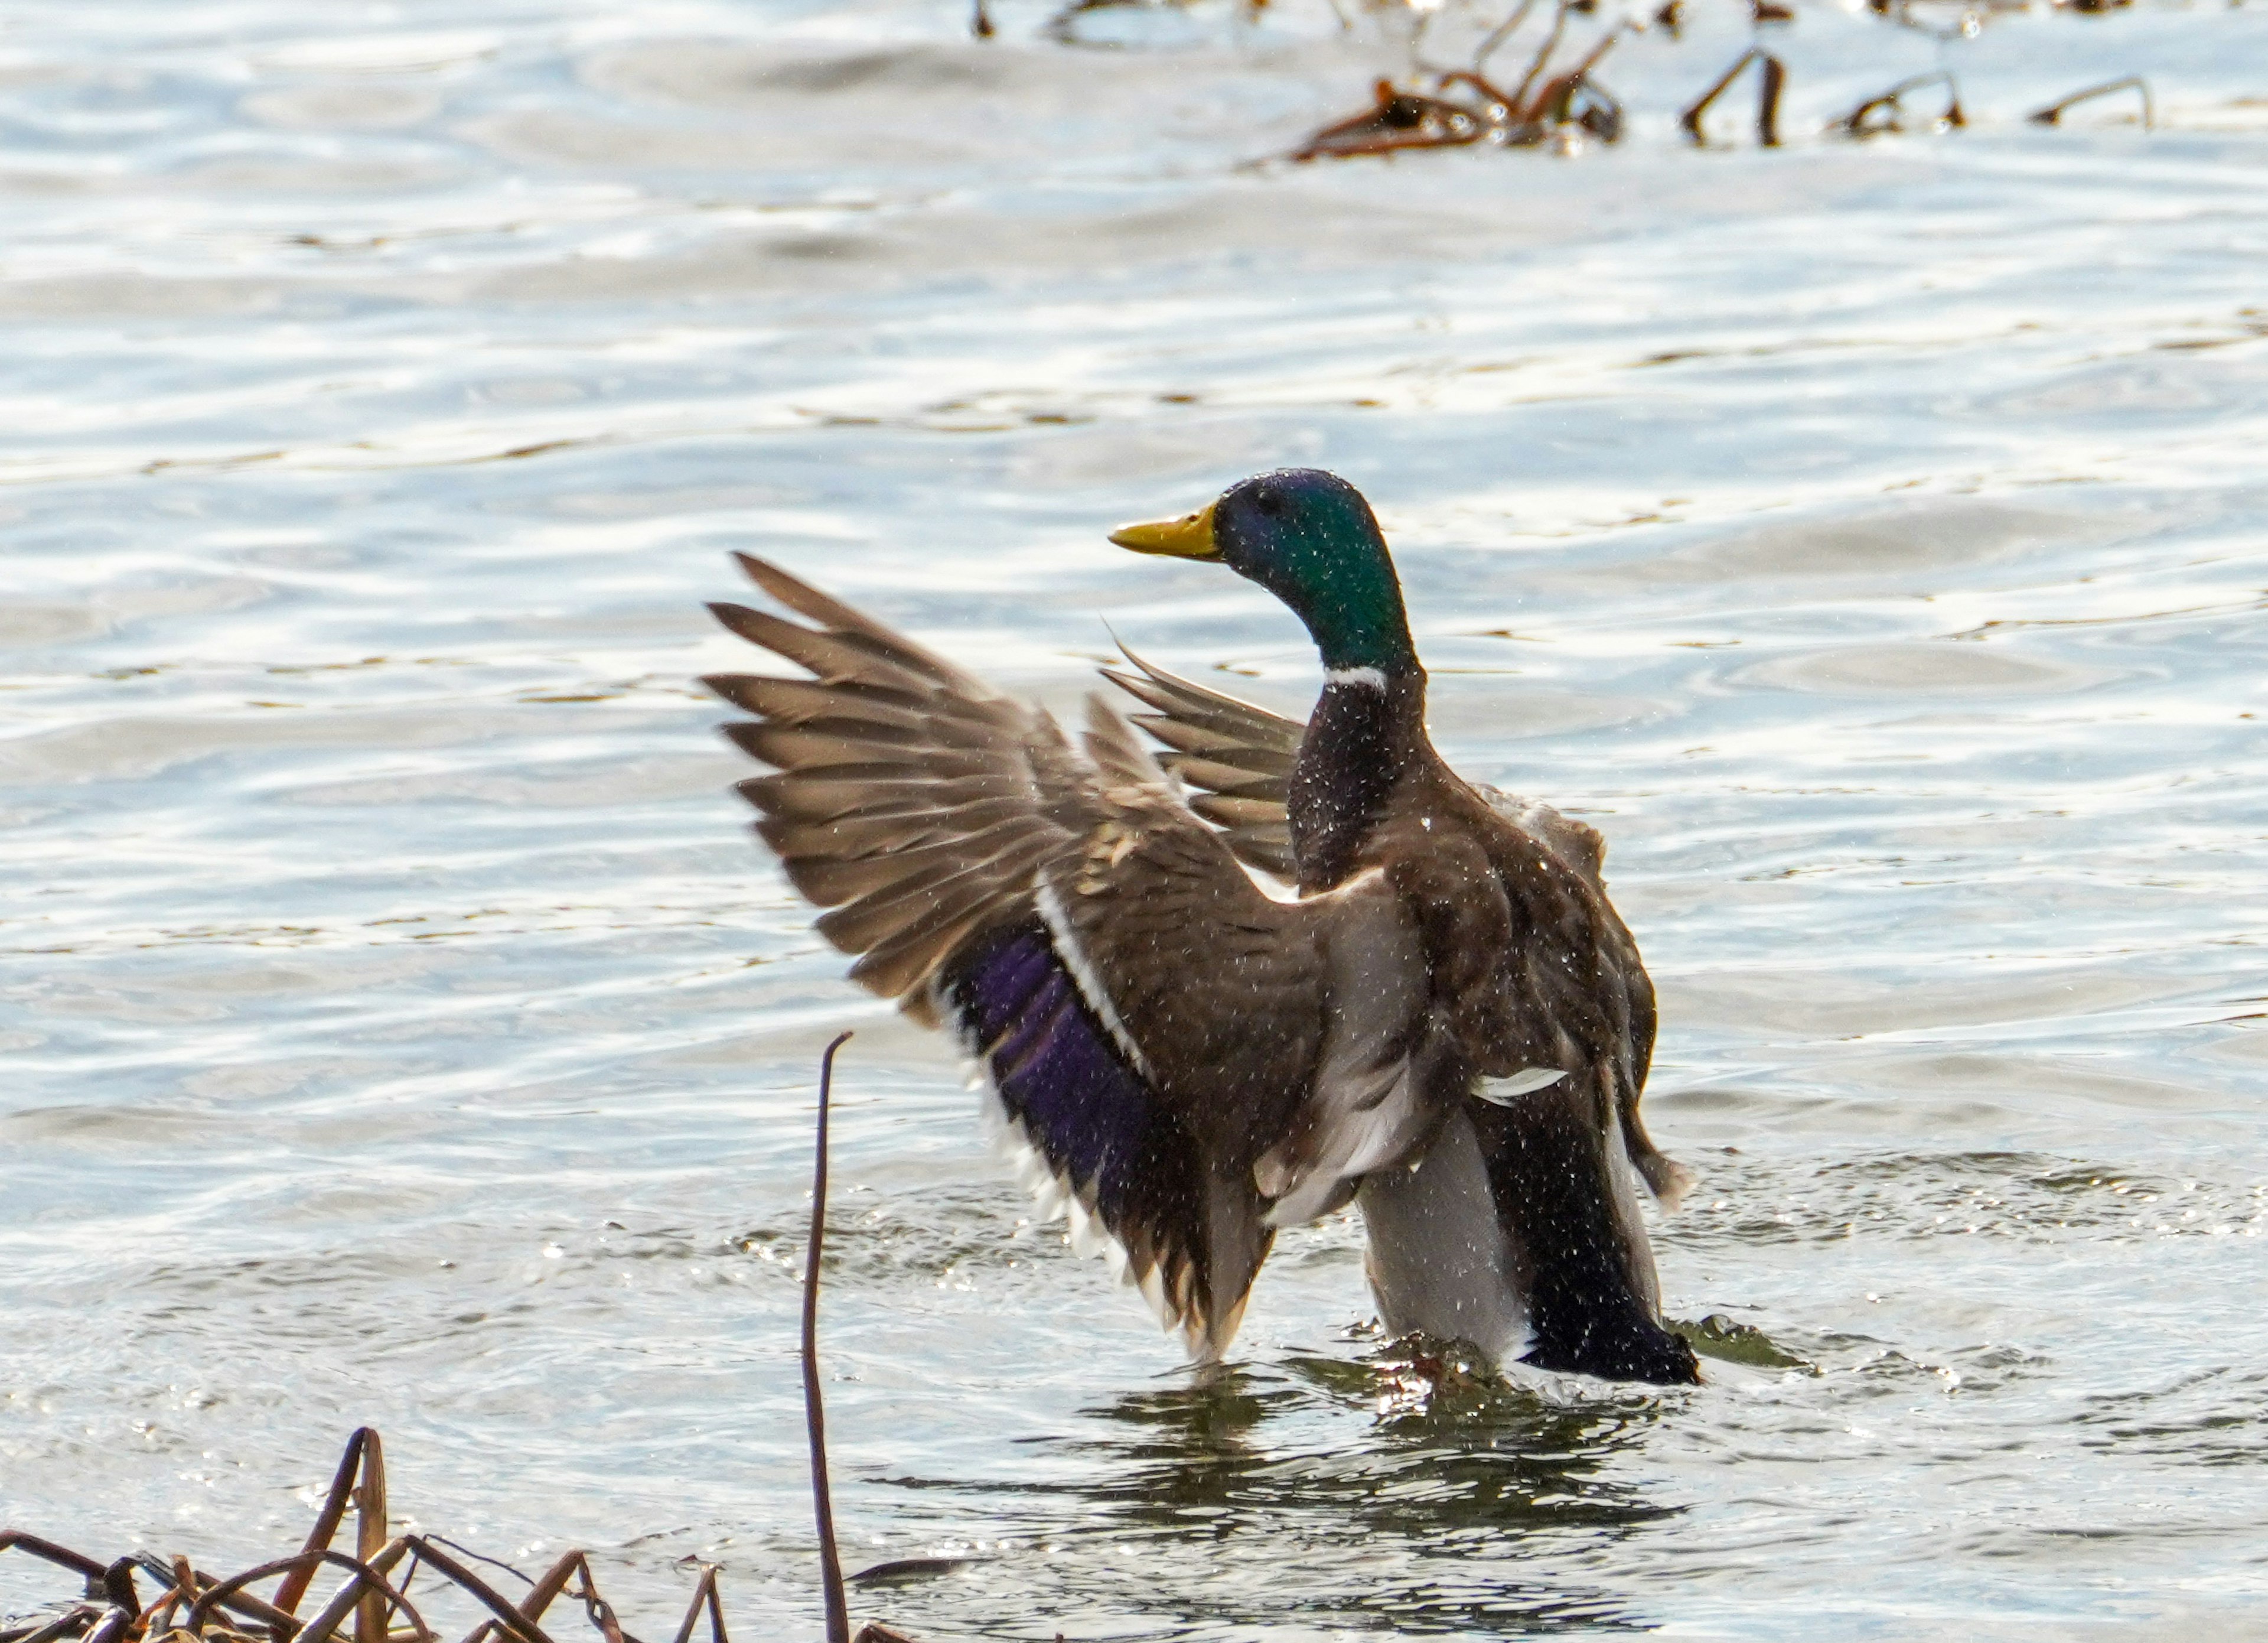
(835, 658)
(800, 597)
(829, 881)
(1237, 813)
(1212, 709)
(891, 911)
(1189, 738)
(799, 700)
(1111, 743)
(1229, 780)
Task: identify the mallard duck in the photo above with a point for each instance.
(1236, 983)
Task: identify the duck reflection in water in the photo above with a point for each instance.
(1426, 1518)
(1439, 1451)
(1338, 972)
(1399, 1492)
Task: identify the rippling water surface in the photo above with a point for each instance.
(400, 1026)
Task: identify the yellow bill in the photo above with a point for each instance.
(1189, 537)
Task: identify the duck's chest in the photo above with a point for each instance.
(1362, 744)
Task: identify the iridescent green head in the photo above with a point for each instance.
(1308, 538)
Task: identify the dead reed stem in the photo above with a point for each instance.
(814, 1413)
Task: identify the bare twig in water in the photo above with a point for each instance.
(814, 1415)
(576, 1567)
(1562, 107)
(1771, 76)
(326, 1521)
(1575, 99)
(370, 1536)
(1500, 34)
(78, 1563)
(830, 1565)
(1062, 27)
(509, 1618)
(705, 1594)
(1396, 119)
(2053, 113)
(1543, 55)
(1879, 115)
(369, 1586)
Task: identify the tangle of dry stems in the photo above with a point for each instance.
(372, 1604)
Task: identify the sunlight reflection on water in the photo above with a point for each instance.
(1866, 538)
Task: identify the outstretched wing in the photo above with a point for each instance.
(1149, 1022)
(1240, 758)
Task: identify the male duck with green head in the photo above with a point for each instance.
(1447, 1025)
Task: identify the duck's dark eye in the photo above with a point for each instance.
(1268, 502)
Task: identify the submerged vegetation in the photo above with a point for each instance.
(1559, 101)
(373, 1605)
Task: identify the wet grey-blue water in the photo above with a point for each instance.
(400, 1027)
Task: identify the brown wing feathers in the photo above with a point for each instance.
(911, 799)
(924, 811)
(1239, 755)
